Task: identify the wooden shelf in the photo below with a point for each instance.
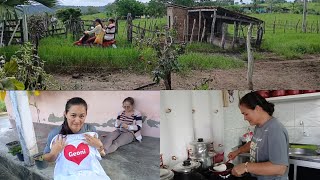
(298, 97)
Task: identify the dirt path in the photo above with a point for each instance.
(270, 73)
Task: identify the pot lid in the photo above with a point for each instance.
(186, 166)
(200, 141)
(166, 174)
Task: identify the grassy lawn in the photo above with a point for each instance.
(59, 51)
(202, 61)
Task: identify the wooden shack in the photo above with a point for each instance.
(210, 24)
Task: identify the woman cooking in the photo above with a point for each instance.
(269, 145)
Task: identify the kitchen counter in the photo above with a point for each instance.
(297, 157)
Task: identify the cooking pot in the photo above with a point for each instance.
(187, 170)
(264, 93)
(309, 91)
(223, 174)
(292, 92)
(202, 151)
(277, 93)
(166, 174)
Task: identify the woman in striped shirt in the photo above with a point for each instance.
(128, 124)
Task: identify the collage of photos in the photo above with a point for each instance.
(159, 90)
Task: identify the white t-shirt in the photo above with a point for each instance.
(78, 160)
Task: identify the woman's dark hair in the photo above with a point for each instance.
(100, 22)
(71, 102)
(253, 99)
(112, 20)
(129, 99)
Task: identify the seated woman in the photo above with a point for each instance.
(74, 146)
(110, 30)
(128, 124)
(97, 30)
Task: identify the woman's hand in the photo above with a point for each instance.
(124, 125)
(93, 141)
(58, 145)
(238, 170)
(233, 154)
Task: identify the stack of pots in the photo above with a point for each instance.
(202, 151)
(187, 170)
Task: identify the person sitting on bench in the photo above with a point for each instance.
(110, 30)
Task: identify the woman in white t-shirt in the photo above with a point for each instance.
(75, 146)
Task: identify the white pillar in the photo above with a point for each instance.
(176, 125)
(23, 118)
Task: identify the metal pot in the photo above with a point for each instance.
(277, 93)
(293, 92)
(188, 170)
(202, 151)
(166, 174)
(264, 93)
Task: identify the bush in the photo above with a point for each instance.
(3, 106)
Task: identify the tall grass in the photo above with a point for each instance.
(8, 51)
(292, 45)
(200, 61)
(59, 52)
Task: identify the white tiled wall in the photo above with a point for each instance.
(292, 113)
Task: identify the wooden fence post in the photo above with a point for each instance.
(224, 32)
(285, 26)
(250, 58)
(235, 33)
(184, 31)
(274, 26)
(194, 23)
(214, 16)
(25, 26)
(204, 30)
(2, 33)
(14, 32)
(297, 25)
(199, 25)
(129, 28)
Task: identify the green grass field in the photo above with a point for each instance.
(59, 51)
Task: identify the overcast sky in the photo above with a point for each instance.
(104, 2)
(89, 2)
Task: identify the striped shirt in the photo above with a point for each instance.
(110, 31)
(134, 123)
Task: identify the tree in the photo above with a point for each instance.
(188, 3)
(92, 10)
(111, 9)
(129, 6)
(66, 14)
(155, 8)
(13, 3)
